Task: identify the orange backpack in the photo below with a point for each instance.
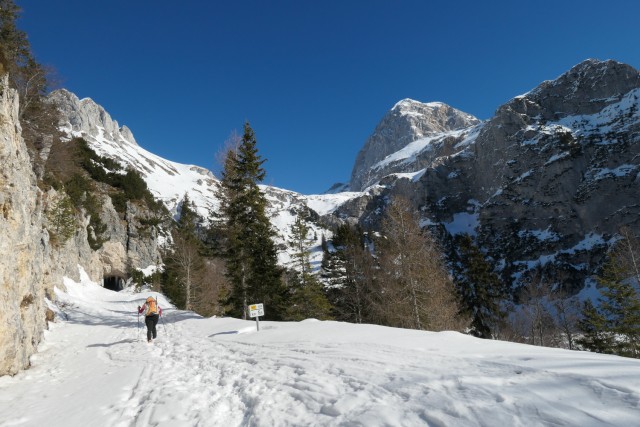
(152, 307)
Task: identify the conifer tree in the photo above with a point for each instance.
(308, 299)
(39, 119)
(620, 306)
(615, 326)
(595, 334)
(189, 222)
(62, 219)
(300, 245)
(349, 274)
(479, 288)
(249, 248)
(25, 73)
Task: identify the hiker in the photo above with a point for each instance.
(152, 314)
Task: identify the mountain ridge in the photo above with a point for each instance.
(456, 166)
(564, 157)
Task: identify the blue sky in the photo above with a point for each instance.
(312, 77)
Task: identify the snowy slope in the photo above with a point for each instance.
(285, 205)
(169, 181)
(94, 369)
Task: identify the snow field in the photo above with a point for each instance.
(95, 368)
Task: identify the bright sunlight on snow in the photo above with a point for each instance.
(95, 368)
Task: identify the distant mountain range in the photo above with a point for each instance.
(543, 185)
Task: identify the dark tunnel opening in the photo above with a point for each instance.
(114, 283)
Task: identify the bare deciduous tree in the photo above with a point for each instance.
(567, 313)
(546, 316)
(187, 259)
(627, 252)
(210, 287)
(413, 280)
(534, 311)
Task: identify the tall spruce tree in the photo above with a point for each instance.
(596, 335)
(308, 299)
(349, 274)
(480, 289)
(614, 327)
(251, 255)
(300, 243)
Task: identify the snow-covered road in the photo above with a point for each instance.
(95, 368)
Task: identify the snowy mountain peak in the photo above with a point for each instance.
(410, 106)
(168, 181)
(406, 122)
(437, 116)
(86, 117)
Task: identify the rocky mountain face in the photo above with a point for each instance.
(553, 176)
(406, 122)
(168, 181)
(543, 185)
(85, 117)
(31, 264)
(23, 246)
(129, 243)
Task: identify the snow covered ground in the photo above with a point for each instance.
(95, 368)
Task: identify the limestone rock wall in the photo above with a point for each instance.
(84, 115)
(23, 244)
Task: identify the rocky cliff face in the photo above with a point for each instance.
(554, 175)
(23, 247)
(30, 264)
(406, 122)
(86, 118)
(545, 184)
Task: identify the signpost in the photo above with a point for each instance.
(256, 310)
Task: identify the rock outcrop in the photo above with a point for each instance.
(86, 117)
(23, 247)
(168, 181)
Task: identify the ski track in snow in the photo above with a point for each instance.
(97, 369)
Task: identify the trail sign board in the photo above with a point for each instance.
(256, 310)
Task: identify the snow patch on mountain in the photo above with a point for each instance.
(618, 116)
(325, 204)
(463, 223)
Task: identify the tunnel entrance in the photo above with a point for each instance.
(114, 283)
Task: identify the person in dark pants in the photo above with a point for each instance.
(152, 313)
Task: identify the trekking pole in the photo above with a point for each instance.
(138, 337)
(163, 324)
